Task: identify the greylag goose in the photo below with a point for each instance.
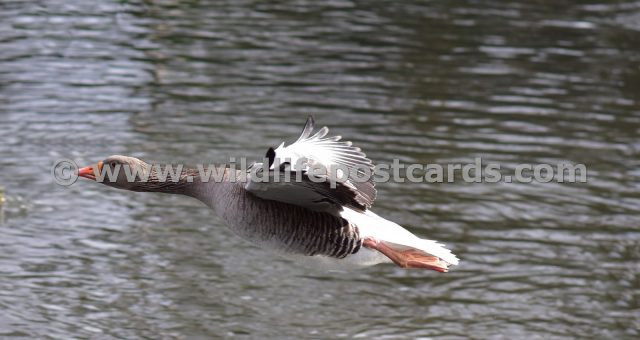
(309, 218)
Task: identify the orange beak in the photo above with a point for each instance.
(90, 171)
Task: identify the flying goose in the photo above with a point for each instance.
(312, 218)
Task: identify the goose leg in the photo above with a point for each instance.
(410, 258)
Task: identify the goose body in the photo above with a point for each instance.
(311, 222)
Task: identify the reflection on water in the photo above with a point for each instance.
(423, 82)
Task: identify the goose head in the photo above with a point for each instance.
(122, 172)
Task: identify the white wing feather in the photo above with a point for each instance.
(327, 152)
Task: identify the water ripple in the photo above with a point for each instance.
(419, 81)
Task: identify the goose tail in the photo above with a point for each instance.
(398, 244)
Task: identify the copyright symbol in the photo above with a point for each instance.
(64, 172)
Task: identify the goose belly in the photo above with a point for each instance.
(292, 230)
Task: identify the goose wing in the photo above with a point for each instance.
(347, 179)
(305, 191)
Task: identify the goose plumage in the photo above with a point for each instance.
(316, 219)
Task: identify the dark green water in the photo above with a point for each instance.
(425, 82)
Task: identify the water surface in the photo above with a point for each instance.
(424, 82)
